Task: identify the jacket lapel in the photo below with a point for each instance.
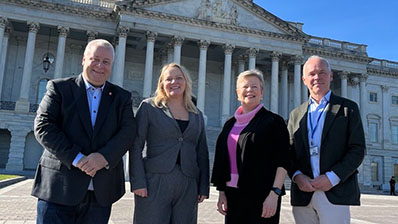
(303, 125)
(80, 95)
(106, 101)
(334, 107)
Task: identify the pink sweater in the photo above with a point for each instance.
(242, 120)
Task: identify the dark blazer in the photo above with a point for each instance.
(342, 150)
(164, 141)
(264, 143)
(63, 127)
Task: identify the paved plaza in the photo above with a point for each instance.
(18, 207)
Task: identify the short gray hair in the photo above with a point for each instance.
(99, 43)
(251, 72)
(320, 58)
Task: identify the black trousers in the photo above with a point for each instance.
(244, 208)
(86, 212)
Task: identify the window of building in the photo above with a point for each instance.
(41, 90)
(394, 100)
(373, 132)
(394, 134)
(373, 97)
(374, 166)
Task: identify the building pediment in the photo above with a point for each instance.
(240, 13)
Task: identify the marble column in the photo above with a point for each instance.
(343, 76)
(354, 90)
(241, 64)
(304, 92)
(203, 46)
(252, 57)
(17, 146)
(59, 60)
(275, 56)
(91, 35)
(163, 56)
(297, 80)
(284, 91)
(177, 42)
(226, 99)
(170, 52)
(3, 25)
(386, 106)
(150, 38)
(115, 42)
(120, 55)
(3, 57)
(22, 104)
(363, 101)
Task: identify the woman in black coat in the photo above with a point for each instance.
(251, 158)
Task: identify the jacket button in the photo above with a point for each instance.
(180, 139)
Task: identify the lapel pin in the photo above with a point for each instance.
(110, 93)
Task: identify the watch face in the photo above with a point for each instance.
(277, 190)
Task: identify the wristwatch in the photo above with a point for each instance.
(277, 191)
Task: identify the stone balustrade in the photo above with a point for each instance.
(326, 42)
(101, 3)
(383, 64)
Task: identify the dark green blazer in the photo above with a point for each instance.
(342, 150)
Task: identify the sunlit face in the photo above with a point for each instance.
(97, 65)
(249, 91)
(173, 82)
(316, 77)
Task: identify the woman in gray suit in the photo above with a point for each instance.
(173, 174)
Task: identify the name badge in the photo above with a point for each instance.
(314, 151)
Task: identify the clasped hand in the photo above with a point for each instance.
(306, 184)
(92, 163)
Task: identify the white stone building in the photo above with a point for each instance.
(213, 39)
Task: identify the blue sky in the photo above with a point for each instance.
(374, 23)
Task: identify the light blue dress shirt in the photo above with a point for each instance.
(94, 95)
(315, 121)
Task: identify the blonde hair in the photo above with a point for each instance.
(251, 72)
(160, 97)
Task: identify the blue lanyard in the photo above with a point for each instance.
(313, 129)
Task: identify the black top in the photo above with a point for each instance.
(183, 125)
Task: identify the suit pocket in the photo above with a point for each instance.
(50, 163)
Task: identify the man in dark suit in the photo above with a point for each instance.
(85, 125)
(328, 145)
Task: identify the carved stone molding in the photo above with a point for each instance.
(275, 56)
(3, 22)
(284, 65)
(151, 36)
(252, 52)
(228, 48)
(177, 40)
(343, 75)
(363, 77)
(353, 81)
(209, 24)
(203, 44)
(170, 47)
(91, 35)
(63, 31)
(297, 59)
(384, 88)
(123, 31)
(217, 12)
(33, 26)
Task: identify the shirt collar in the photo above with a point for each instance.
(88, 85)
(324, 99)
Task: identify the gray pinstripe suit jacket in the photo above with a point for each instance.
(164, 141)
